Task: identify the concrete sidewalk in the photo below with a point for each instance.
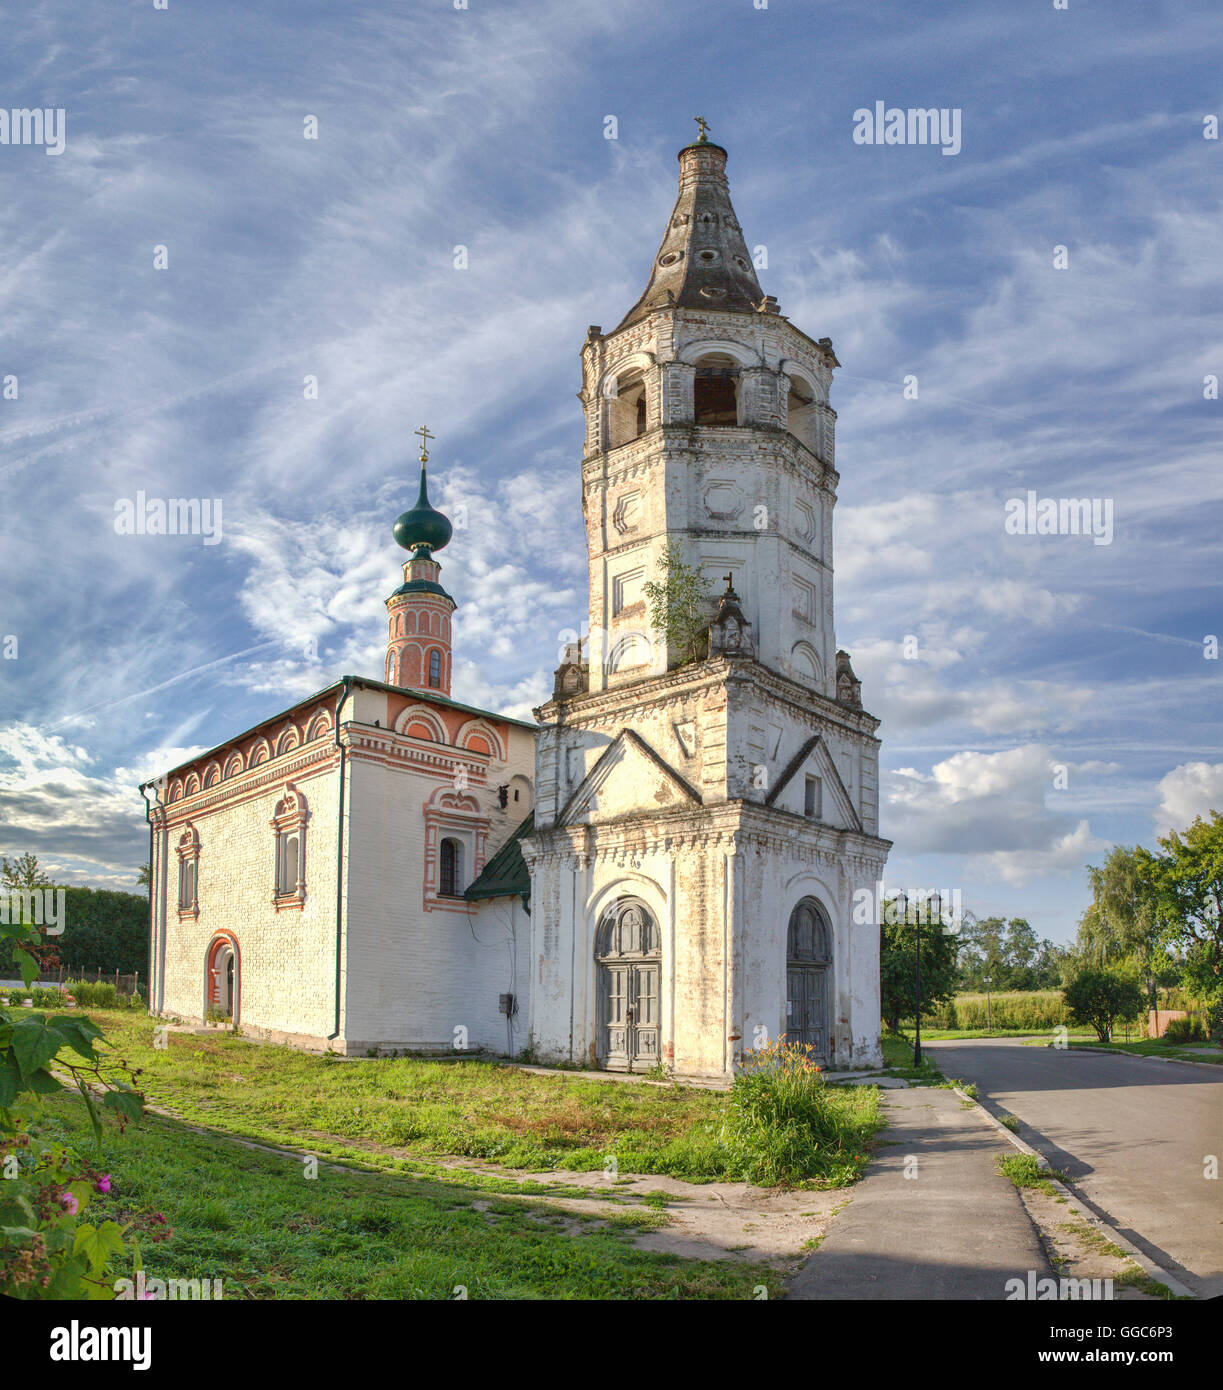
(956, 1230)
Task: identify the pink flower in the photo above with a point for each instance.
(103, 1183)
(69, 1203)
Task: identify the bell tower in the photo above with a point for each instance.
(418, 651)
(709, 431)
(718, 771)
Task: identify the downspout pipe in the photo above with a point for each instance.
(148, 806)
(339, 864)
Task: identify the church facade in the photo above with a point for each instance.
(333, 878)
(661, 871)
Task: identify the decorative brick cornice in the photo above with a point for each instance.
(307, 761)
(617, 706)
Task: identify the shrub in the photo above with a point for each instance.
(1185, 1030)
(784, 1124)
(46, 1250)
(1099, 996)
(94, 994)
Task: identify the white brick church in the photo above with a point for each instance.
(663, 869)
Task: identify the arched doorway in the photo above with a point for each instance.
(221, 978)
(809, 977)
(629, 965)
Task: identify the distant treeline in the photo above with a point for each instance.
(103, 930)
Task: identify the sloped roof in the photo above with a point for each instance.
(505, 875)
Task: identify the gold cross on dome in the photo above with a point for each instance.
(704, 125)
(425, 437)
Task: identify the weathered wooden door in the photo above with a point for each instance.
(807, 1008)
(629, 973)
(808, 974)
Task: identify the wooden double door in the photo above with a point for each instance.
(628, 966)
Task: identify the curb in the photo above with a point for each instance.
(1075, 1203)
(1140, 1056)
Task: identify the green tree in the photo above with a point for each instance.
(940, 976)
(143, 878)
(1098, 995)
(22, 872)
(678, 606)
(980, 951)
(1127, 916)
(1189, 880)
(1010, 954)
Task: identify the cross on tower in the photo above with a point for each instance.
(425, 437)
(704, 125)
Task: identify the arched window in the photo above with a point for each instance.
(801, 415)
(626, 408)
(715, 391)
(808, 939)
(188, 873)
(289, 819)
(450, 866)
(435, 668)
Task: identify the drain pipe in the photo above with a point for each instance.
(152, 900)
(339, 862)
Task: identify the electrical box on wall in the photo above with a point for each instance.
(508, 1005)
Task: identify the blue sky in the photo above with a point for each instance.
(484, 128)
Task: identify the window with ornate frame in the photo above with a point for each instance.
(289, 824)
(188, 873)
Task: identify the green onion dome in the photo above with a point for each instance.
(423, 528)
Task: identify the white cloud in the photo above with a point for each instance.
(1188, 791)
(989, 808)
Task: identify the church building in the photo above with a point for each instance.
(670, 866)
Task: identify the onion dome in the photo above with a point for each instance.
(423, 529)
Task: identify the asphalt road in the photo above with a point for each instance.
(1132, 1134)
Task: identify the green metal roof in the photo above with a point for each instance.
(505, 875)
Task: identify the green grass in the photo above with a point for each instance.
(254, 1221)
(960, 1034)
(897, 1049)
(1135, 1277)
(395, 1114)
(1095, 1239)
(1024, 1171)
(1010, 1122)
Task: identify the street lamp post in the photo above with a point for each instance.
(989, 1018)
(917, 997)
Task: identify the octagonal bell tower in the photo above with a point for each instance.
(718, 794)
(708, 426)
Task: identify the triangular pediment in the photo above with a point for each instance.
(630, 778)
(814, 759)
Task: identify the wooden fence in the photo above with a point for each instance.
(124, 984)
